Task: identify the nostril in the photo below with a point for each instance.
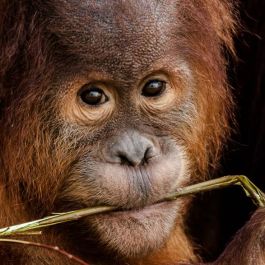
(137, 158)
(149, 154)
(125, 161)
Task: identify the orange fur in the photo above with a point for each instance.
(35, 157)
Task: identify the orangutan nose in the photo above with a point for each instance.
(132, 149)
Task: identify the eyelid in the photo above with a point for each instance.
(98, 85)
(158, 75)
(91, 85)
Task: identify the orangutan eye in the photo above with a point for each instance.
(154, 88)
(93, 95)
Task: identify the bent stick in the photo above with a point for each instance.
(252, 191)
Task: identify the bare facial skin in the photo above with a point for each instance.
(111, 103)
(139, 162)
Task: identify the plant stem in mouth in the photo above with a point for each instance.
(252, 191)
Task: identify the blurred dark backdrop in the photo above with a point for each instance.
(218, 215)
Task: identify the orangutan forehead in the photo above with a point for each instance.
(100, 30)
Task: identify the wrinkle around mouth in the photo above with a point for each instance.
(139, 187)
(146, 186)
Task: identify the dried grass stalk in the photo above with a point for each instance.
(257, 196)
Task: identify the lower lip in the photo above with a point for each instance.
(150, 209)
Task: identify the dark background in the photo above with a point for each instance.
(218, 215)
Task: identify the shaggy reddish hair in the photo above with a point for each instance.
(27, 51)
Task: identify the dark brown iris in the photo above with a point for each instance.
(154, 88)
